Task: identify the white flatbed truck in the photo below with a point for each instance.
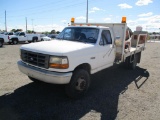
(79, 51)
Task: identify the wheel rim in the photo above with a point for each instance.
(80, 84)
(15, 42)
(34, 40)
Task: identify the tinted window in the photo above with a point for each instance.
(22, 34)
(10, 34)
(80, 34)
(105, 37)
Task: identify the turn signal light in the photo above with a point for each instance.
(58, 66)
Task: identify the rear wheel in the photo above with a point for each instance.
(1, 43)
(79, 84)
(15, 42)
(131, 63)
(34, 40)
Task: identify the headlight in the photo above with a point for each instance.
(58, 62)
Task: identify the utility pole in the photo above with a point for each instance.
(5, 22)
(32, 25)
(26, 24)
(87, 13)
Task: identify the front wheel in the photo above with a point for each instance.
(79, 84)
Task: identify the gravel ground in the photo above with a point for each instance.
(115, 93)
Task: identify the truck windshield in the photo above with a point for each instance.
(80, 34)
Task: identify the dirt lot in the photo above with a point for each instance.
(115, 93)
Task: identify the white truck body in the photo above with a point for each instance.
(4, 38)
(92, 57)
(22, 37)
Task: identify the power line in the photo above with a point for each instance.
(39, 6)
(44, 11)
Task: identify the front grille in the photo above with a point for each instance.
(37, 59)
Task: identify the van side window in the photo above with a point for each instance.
(105, 38)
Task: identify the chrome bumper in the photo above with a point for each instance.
(44, 75)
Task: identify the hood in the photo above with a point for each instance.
(56, 47)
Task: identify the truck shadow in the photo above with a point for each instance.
(48, 102)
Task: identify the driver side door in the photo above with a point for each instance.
(22, 37)
(106, 49)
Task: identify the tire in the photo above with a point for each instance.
(1, 43)
(130, 65)
(78, 85)
(42, 40)
(34, 80)
(15, 42)
(127, 62)
(133, 64)
(34, 40)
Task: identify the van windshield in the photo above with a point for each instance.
(80, 34)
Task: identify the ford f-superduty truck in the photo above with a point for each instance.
(79, 51)
(22, 37)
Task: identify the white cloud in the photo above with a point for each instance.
(143, 19)
(63, 21)
(124, 6)
(90, 20)
(143, 2)
(145, 14)
(94, 9)
(151, 23)
(80, 18)
(38, 28)
(151, 19)
(106, 19)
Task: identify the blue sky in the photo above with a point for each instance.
(45, 15)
